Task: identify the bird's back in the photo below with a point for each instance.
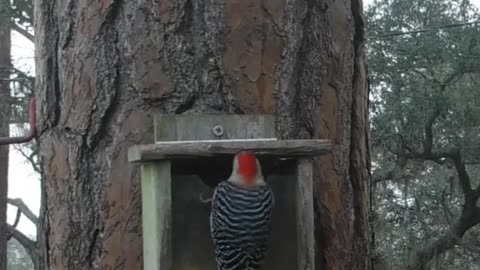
(240, 225)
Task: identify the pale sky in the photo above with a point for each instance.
(23, 181)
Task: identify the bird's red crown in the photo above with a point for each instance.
(247, 166)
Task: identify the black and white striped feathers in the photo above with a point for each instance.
(240, 224)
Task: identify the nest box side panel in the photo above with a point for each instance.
(156, 215)
(305, 222)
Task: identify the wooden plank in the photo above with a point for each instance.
(173, 150)
(200, 127)
(156, 215)
(165, 128)
(305, 222)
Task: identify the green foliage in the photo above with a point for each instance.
(422, 79)
(412, 212)
(18, 258)
(414, 75)
(22, 11)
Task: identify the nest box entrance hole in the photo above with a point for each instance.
(193, 181)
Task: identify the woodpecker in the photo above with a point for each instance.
(240, 218)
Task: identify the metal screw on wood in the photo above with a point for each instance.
(218, 131)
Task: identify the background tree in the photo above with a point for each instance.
(5, 65)
(424, 60)
(18, 259)
(22, 13)
(17, 15)
(104, 67)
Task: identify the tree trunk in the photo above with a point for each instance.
(41, 263)
(5, 64)
(106, 66)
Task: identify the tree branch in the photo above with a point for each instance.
(428, 142)
(425, 77)
(454, 154)
(31, 157)
(18, 71)
(470, 215)
(17, 218)
(23, 32)
(457, 158)
(15, 223)
(448, 214)
(24, 208)
(29, 245)
(447, 241)
(464, 177)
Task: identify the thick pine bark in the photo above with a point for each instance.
(5, 62)
(105, 66)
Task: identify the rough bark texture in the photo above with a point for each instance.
(105, 66)
(5, 64)
(42, 262)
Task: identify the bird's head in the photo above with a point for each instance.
(246, 170)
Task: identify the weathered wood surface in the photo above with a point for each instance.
(305, 221)
(201, 127)
(172, 150)
(157, 215)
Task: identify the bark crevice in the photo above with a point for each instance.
(50, 116)
(359, 157)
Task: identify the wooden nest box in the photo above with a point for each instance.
(191, 154)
